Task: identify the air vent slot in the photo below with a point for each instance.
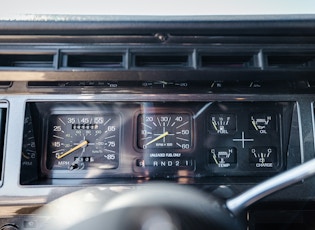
(299, 60)
(99, 60)
(162, 60)
(27, 60)
(227, 61)
(5, 84)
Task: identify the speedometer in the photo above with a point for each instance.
(82, 141)
(165, 131)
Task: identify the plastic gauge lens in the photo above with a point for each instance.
(79, 142)
(222, 123)
(164, 131)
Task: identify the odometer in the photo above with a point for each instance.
(165, 131)
(82, 141)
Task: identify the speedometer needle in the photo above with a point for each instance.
(81, 145)
(157, 138)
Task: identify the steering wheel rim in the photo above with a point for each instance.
(105, 209)
(147, 207)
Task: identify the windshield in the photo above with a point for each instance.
(15, 8)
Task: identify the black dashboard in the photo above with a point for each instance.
(93, 140)
(217, 105)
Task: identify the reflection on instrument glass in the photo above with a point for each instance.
(80, 141)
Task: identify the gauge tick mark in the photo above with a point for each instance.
(185, 123)
(58, 137)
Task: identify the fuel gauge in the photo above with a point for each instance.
(222, 123)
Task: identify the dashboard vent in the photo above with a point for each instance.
(95, 60)
(162, 60)
(300, 60)
(227, 61)
(26, 60)
(5, 84)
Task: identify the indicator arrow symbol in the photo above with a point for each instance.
(81, 145)
(157, 138)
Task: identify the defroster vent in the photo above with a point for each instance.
(27, 60)
(223, 60)
(161, 60)
(93, 60)
(290, 60)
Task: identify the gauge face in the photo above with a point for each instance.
(164, 131)
(263, 122)
(263, 157)
(79, 142)
(222, 123)
(28, 148)
(29, 161)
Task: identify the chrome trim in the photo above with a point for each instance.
(283, 180)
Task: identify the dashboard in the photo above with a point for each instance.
(141, 140)
(215, 105)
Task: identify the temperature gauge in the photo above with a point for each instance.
(223, 157)
(222, 123)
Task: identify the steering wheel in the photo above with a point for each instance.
(161, 206)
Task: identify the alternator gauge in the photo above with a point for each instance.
(263, 157)
(83, 141)
(164, 131)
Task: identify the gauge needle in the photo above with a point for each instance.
(81, 145)
(215, 125)
(215, 159)
(254, 124)
(157, 138)
(25, 156)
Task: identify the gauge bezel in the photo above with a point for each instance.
(65, 173)
(158, 110)
(213, 132)
(130, 153)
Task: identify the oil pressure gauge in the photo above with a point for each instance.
(263, 122)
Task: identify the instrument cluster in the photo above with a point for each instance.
(95, 140)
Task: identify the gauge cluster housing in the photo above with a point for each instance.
(154, 140)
